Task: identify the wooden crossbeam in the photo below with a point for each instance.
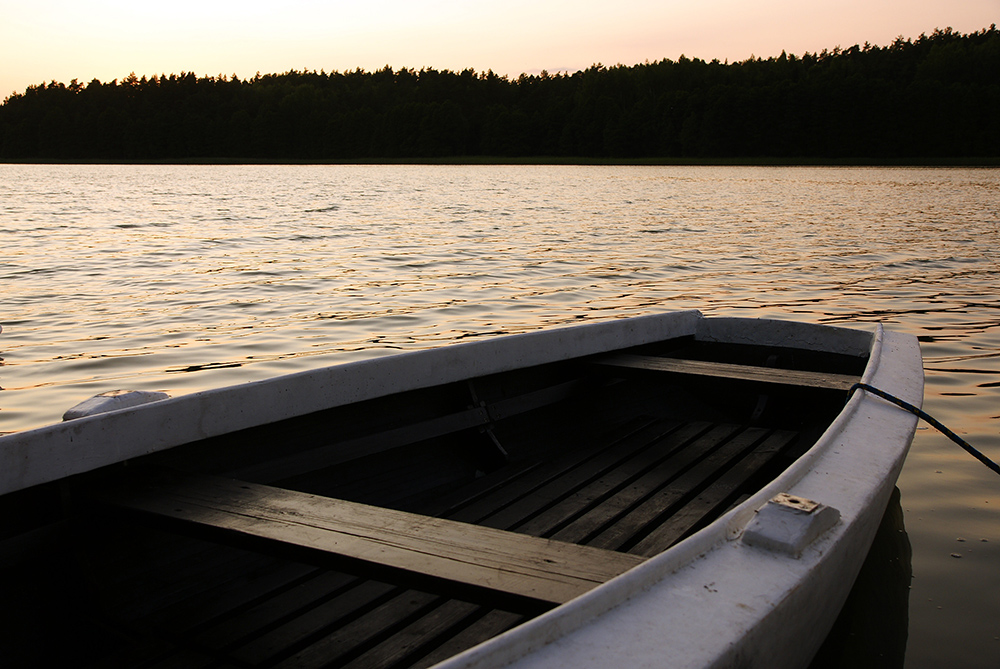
(405, 548)
(788, 377)
(349, 449)
(378, 442)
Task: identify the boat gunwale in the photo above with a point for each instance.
(53, 452)
(37, 456)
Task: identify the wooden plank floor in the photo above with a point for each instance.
(639, 490)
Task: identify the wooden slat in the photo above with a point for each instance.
(380, 542)
(454, 625)
(694, 511)
(788, 377)
(682, 455)
(266, 646)
(482, 509)
(432, 629)
(227, 593)
(269, 612)
(168, 584)
(512, 516)
(358, 635)
(350, 449)
(592, 496)
(487, 627)
(652, 507)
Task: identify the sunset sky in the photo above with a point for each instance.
(61, 40)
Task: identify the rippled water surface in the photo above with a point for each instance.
(184, 278)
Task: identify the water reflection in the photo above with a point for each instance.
(871, 630)
(182, 278)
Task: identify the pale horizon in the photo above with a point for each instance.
(58, 40)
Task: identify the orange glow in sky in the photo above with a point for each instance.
(61, 40)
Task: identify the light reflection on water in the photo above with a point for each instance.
(184, 278)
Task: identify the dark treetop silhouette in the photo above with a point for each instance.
(933, 97)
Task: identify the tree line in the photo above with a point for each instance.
(937, 96)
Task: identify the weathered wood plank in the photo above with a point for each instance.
(226, 594)
(418, 637)
(357, 636)
(618, 505)
(262, 641)
(592, 495)
(556, 488)
(688, 482)
(481, 499)
(379, 542)
(788, 377)
(281, 605)
(694, 511)
(266, 646)
(493, 623)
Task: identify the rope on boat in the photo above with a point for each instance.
(930, 419)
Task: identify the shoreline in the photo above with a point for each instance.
(993, 161)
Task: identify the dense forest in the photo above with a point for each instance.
(937, 96)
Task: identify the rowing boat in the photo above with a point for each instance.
(666, 490)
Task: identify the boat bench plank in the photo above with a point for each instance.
(457, 626)
(305, 634)
(789, 377)
(253, 635)
(376, 541)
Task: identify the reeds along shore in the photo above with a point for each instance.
(932, 98)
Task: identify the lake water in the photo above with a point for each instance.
(180, 278)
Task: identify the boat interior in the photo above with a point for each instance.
(402, 530)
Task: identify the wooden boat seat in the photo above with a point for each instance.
(480, 563)
(790, 377)
(243, 608)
